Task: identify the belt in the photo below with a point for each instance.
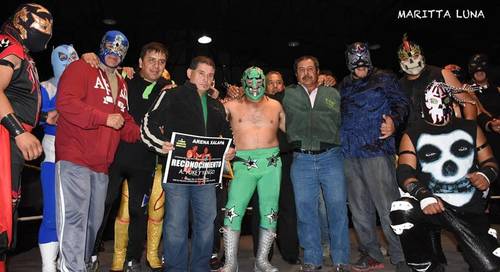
(311, 152)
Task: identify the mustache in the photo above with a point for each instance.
(307, 77)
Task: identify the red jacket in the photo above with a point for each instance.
(84, 101)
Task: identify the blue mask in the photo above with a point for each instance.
(61, 57)
(113, 43)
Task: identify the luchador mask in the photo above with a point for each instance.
(61, 57)
(254, 83)
(358, 55)
(478, 62)
(32, 24)
(437, 108)
(113, 43)
(411, 58)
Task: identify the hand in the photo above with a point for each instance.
(434, 208)
(327, 80)
(230, 154)
(213, 92)
(478, 181)
(169, 86)
(115, 120)
(167, 147)
(235, 91)
(495, 125)
(91, 59)
(129, 71)
(52, 117)
(387, 127)
(29, 146)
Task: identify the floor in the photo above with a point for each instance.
(29, 260)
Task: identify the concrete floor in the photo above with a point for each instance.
(29, 260)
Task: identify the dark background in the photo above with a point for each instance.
(257, 32)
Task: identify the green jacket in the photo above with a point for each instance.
(312, 128)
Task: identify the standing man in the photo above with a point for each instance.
(255, 121)
(134, 162)
(93, 105)
(61, 57)
(419, 74)
(373, 106)
(287, 240)
(313, 130)
(29, 29)
(489, 98)
(187, 109)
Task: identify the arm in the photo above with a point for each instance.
(152, 132)
(48, 113)
(470, 111)
(399, 104)
(130, 131)
(488, 167)
(407, 179)
(28, 144)
(282, 122)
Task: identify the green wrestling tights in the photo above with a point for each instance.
(259, 168)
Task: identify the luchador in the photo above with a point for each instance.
(28, 30)
(61, 57)
(255, 120)
(446, 166)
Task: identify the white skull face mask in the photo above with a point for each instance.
(413, 65)
(448, 158)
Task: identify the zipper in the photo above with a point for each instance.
(115, 101)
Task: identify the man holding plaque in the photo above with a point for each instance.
(187, 109)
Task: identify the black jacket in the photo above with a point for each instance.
(135, 154)
(180, 110)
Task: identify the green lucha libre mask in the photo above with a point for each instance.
(254, 83)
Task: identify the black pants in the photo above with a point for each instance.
(287, 239)
(221, 194)
(140, 181)
(470, 230)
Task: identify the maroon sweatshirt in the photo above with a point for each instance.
(84, 101)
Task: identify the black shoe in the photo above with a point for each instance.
(93, 267)
(215, 263)
(132, 266)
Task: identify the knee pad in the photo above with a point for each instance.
(405, 213)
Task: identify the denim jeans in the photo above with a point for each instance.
(323, 218)
(178, 199)
(309, 173)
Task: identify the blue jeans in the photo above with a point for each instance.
(178, 199)
(309, 173)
